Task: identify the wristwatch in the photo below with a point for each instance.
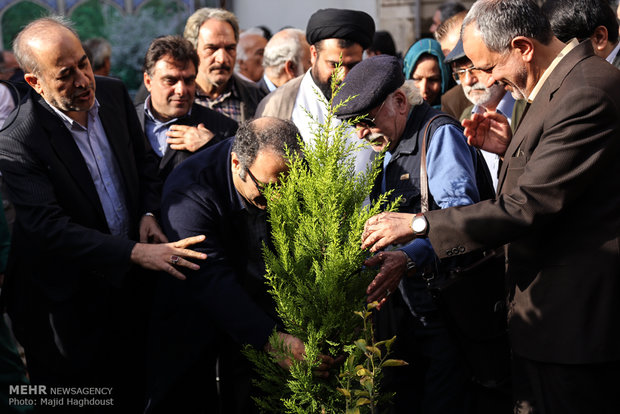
(419, 225)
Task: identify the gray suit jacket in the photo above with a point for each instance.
(558, 214)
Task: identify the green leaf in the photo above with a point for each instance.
(362, 401)
(344, 392)
(374, 350)
(361, 344)
(394, 363)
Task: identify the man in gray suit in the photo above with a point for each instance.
(557, 211)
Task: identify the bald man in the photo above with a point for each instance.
(86, 194)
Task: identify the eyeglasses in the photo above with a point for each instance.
(368, 122)
(472, 70)
(259, 185)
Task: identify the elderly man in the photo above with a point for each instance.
(218, 192)
(85, 190)
(334, 35)
(174, 124)
(99, 52)
(215, 33)
(397, 121)
(250, 50)
(557, 211)
(287, 56)
(493, 98)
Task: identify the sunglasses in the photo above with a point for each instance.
(368, 122)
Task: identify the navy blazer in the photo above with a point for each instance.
(189, 316)
(221, 126)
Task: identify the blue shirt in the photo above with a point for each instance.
(104, 170)
(155, 129)
(451, 181)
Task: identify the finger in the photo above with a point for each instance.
(373, 261)
(168, 268)
(177, 127)
(190, 254)
(188, 241)
(186, 263)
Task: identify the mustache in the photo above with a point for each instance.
(373, 136)
(81, 90)
(219, 67)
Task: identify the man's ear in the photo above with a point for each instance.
(235, 163)
(147, 81)
(400, 102)
(599, 38)
(33, 81)
(289, 68)
(314, 54)
(524, 47)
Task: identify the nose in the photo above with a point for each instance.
(490, 81)
(220, 55)
(82, 80)
(361, 132)
(180, 88)
(468, 78)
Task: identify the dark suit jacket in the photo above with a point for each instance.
(191, 317)
(66, 271)
(559, 211)
(221, 126)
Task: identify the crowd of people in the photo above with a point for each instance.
(135, 255)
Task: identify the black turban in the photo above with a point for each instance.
(352, 25)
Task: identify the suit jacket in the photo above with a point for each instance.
(66, 271)
(221, 300)
(454, 101)
(262, 85)
(280, 103)
(558, 210)
(221, 126)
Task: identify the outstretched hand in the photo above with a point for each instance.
(393, 267)
(489, 131)
(387, 228)
(184, 137)
(168, 257)
(297, 349)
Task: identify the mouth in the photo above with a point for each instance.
(220, 69)
(84, 95)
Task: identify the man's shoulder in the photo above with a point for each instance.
(280, 102)
(247, 89)
(202, 114)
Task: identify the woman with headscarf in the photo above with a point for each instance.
(424, 63)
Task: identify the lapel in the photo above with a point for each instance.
(68, 152)
(531, 122)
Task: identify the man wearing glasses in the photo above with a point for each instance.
(218, 192)
(396, 121)
(493, 98)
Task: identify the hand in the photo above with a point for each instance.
(150, 232)
(489, 131)
(184, 137)
(393, 267)
(387, 228)
(298, 350)
(164, 257)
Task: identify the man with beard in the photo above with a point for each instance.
(333, 34)
(493, 98)
(85, 191)
(215, 34)
(557, 212)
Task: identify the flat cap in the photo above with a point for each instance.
(456, 53)
(373, 80)
(352, 25)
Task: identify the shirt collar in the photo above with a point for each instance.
(71, 123)
(610, 58)
(230, 90)
(149, 114)
(270, 85)
(570, 46)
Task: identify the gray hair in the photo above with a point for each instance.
(98, 50)
(500, 21)
(241, 55)
(253, 136)
(283, 48)
(38, 29)
(196, 20)
(411, 92)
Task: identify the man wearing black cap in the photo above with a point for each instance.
(333, 34)
(396, 120)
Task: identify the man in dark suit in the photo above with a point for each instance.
(174, 125)
(85, 189)
(557, 210)
(218, 193)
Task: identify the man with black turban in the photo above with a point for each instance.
(331, 33)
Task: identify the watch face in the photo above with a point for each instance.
(419, 225)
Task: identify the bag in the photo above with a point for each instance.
(472, 299)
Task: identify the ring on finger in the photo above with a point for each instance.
(174, 259)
